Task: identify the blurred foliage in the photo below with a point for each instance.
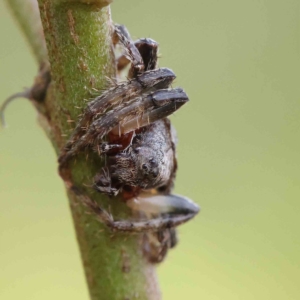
(238, 156)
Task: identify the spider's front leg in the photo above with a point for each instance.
(142, 54)
(132, 54)
(143, 111)
(121, 95)
(148, 50)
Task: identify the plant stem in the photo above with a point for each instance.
(78, 38)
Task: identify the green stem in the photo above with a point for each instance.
(78, 38)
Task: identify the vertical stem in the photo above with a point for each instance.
(78, 41)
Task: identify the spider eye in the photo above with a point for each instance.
(155, 172)
(153, 162)
(136, 150)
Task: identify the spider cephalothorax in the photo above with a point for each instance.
(147, 163)
(128, 123)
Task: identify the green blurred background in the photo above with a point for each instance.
(239, 156)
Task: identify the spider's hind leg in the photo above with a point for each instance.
(157, 244)
(178, 210)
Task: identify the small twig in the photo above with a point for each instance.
(24, 94)
(28, 17)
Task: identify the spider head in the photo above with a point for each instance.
(150, 167)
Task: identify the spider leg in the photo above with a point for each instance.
(139, 113)
(157, 244)
(166, 103)
(103, 183)
(151, 107)
(106, 147)
(173, 241)
(149, 81)
(121, 94)
(121, 35)
(178, 210)
(148, 49)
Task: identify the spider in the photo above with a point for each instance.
(128, 124)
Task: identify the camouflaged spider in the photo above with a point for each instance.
(128, 123)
